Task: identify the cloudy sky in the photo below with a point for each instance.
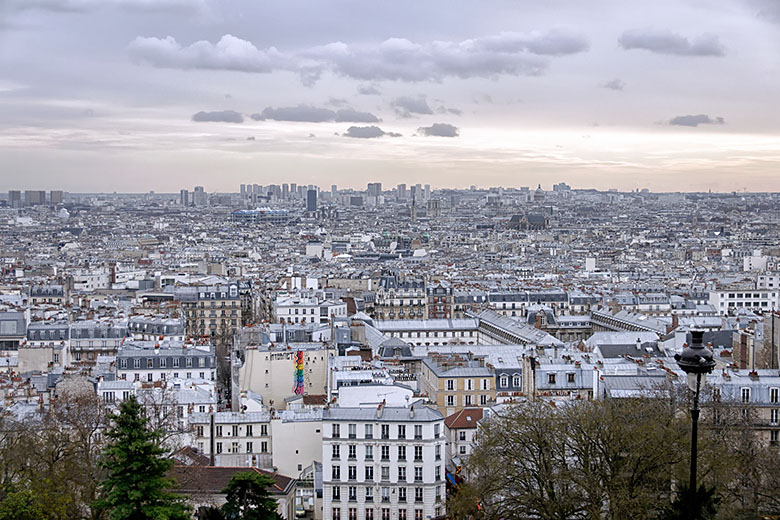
(137, 95)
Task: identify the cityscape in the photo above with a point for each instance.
(288, 328)
(348, 260)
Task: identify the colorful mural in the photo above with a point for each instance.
(298, 374)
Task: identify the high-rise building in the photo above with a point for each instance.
(243, 190)
(199, 196)
(311, 200)
(34, 197)
(293, 190)
(55, 197)
(401, 191)
(285, 191)
(334, 191)
(184, 198)
(427, 191)
(374, 189)
(14, 199)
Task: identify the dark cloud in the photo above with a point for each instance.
(223, 116)
(439, 130)
(310, 114)
(368, 90)
(407, 106)
(229, 53)
(667, 42)
(700, 119)
(368, 132)
(614, 84)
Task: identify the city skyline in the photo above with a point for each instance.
(108, 96)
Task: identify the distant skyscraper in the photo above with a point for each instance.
(427, 191)
(34, 197)
(14, 199)
(55, 197)
(184, 198)
(243, 190)
(311, 201)
(401, 191)
(285, 191)
(334, 191)
(374, 189)
(293, 190)
(199, 196)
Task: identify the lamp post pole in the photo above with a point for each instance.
(696, 361)
(695, 433)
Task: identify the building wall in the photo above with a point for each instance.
(296, 444)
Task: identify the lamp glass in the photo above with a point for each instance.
(692, 381)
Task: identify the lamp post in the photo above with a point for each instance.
(696, 361)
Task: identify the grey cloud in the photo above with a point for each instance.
(310, 114)
(615, 84)
(700, 119)
(394, 59)
(223, 116)
(83, 6)
(667, 42)
(445, 110)
(768, 9)
(556, 42)
(229, 53)
(348, 115)
(368, 132)
(368, 90)
(407, 106)
(439, 130)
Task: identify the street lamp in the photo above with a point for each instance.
(697, 362)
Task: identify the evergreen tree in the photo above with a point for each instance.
(247, 497)
(136, 487)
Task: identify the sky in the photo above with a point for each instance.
(139, 95)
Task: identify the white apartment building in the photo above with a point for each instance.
(148, 361)
(768, 281)
(297, 309)
(236, 439)
(728, 300)
(383, 463)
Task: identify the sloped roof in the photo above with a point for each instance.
(466, 418)
(213, 479)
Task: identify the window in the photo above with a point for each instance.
(336, 431)
(385, 510)
(386, 497)
(200, 431)
(385, 472)
(122, 362)
(336, 474)
(336, 452)
(450, 400)
(136, 363)
(219, 431)
(369, 473)
(352, 451)
(385, 431)
(401, 512)
(462, 450)
(369, 431)
(369, 497)
(469, 384)
(150, 363)
(401, 452)
(418, 494)
(401, 473)
(551, 379)
(418, 431)
(249, 447)
(219, 447)
(401, 431)
(437, 451)
(418, 451)
(774, 435)
(385, 452)
(773, 395)
(418, 473)
(436, 430)
(235, 430)
(234, 447)
(467, 400)
(486, 384)
(450, 385)
(437, 473)
(745, 395)
(336, 492)
(570, 377)
(352, 431)
(175, 362)
(189, 362)
(352, 492)
(336, 513)
(773, 414)
(264, 447)
(504, 381)
(369, 453)
(352, 472)
(462, 435)
(163, 362)
(248, 430)
(418, 514)
(353, 510)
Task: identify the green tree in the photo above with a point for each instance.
(247, 497)
(136, 487)
(21, 505)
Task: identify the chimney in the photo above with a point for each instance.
(638, 344)
(411, 412)
(379, 411)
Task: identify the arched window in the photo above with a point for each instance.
(504, 381)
